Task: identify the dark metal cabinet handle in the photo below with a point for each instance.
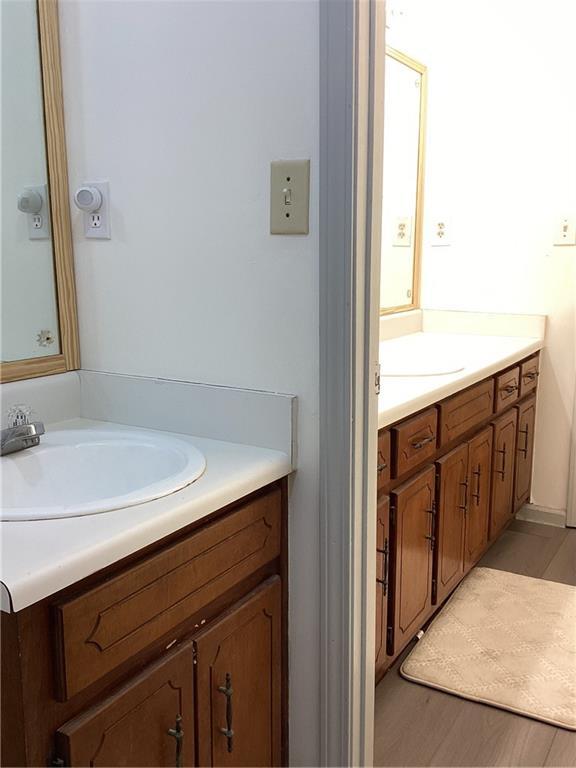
(418, 444)
(432, 535)
(227, 691)
(383, 466)
(509, 388)
(525, 432)
(476, 496)
(386, 553)
(502, 471)
(531, 375)
(464, 507)
(178, 734)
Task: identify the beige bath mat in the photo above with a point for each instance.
(505, 640)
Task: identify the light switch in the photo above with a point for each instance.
(565, 232)
(289, 197)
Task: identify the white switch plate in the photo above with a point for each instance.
(402, 232)
(97, 224)
(565, 231)
(289, 197)
(440, 232)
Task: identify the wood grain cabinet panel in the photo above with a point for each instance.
(524, 452)
(238, 683)
(462, 412)
(106, 626)
(411, 556)
(479, 485)
(504, 450)
(414, 442)
(132, 726)
(507, 389)
(529, 372)
(382, 580)
(452, 508)
(384, 459)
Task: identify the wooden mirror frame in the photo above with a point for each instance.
(69, 357)
(419, 207)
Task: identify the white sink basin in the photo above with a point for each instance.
(422, 354)
(420, 368)
(75, 472)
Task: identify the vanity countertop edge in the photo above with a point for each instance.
(42, 557)
(397, 402)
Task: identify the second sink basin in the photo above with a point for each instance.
(75, 472)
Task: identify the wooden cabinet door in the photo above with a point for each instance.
(137, 725)
(479, 483)
(411, 555)
(452, 507)
(504, 449)
(238, 683)
(382, 561)
(524, 452)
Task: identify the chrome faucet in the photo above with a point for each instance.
(21, 433)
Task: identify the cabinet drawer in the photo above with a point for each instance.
(463, 412)
(507, 389)
(529, 372)
(384, 459)
(107, 625)
(414, 441)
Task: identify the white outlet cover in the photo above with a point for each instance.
(39, 223)
(402, 235)
(565, 233)
(97, 225)
(440, 232)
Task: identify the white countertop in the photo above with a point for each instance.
(41, 557)
(480, 356)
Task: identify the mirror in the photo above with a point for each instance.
(403, 178)
(38, 305)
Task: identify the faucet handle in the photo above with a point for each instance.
(19, 414)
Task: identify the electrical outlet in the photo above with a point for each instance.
(402, 233)
(565, 232)
(440, 232)
(33, 201)
(94, 203)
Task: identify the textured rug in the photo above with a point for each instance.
(505, 640)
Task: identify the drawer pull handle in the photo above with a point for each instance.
(476, 496)
(418, 444)
(464, 507)
(502, 472)
(525, 432)
(383, 466)
(227, 691)
(178, 734)
(531, 375)
(509, 388)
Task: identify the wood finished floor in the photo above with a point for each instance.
(418, 726)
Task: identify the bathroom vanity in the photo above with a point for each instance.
(451, 476)
(175, 655)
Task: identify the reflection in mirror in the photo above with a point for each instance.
(29, 312)
(403, 166)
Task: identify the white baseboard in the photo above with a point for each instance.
(532, 513)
